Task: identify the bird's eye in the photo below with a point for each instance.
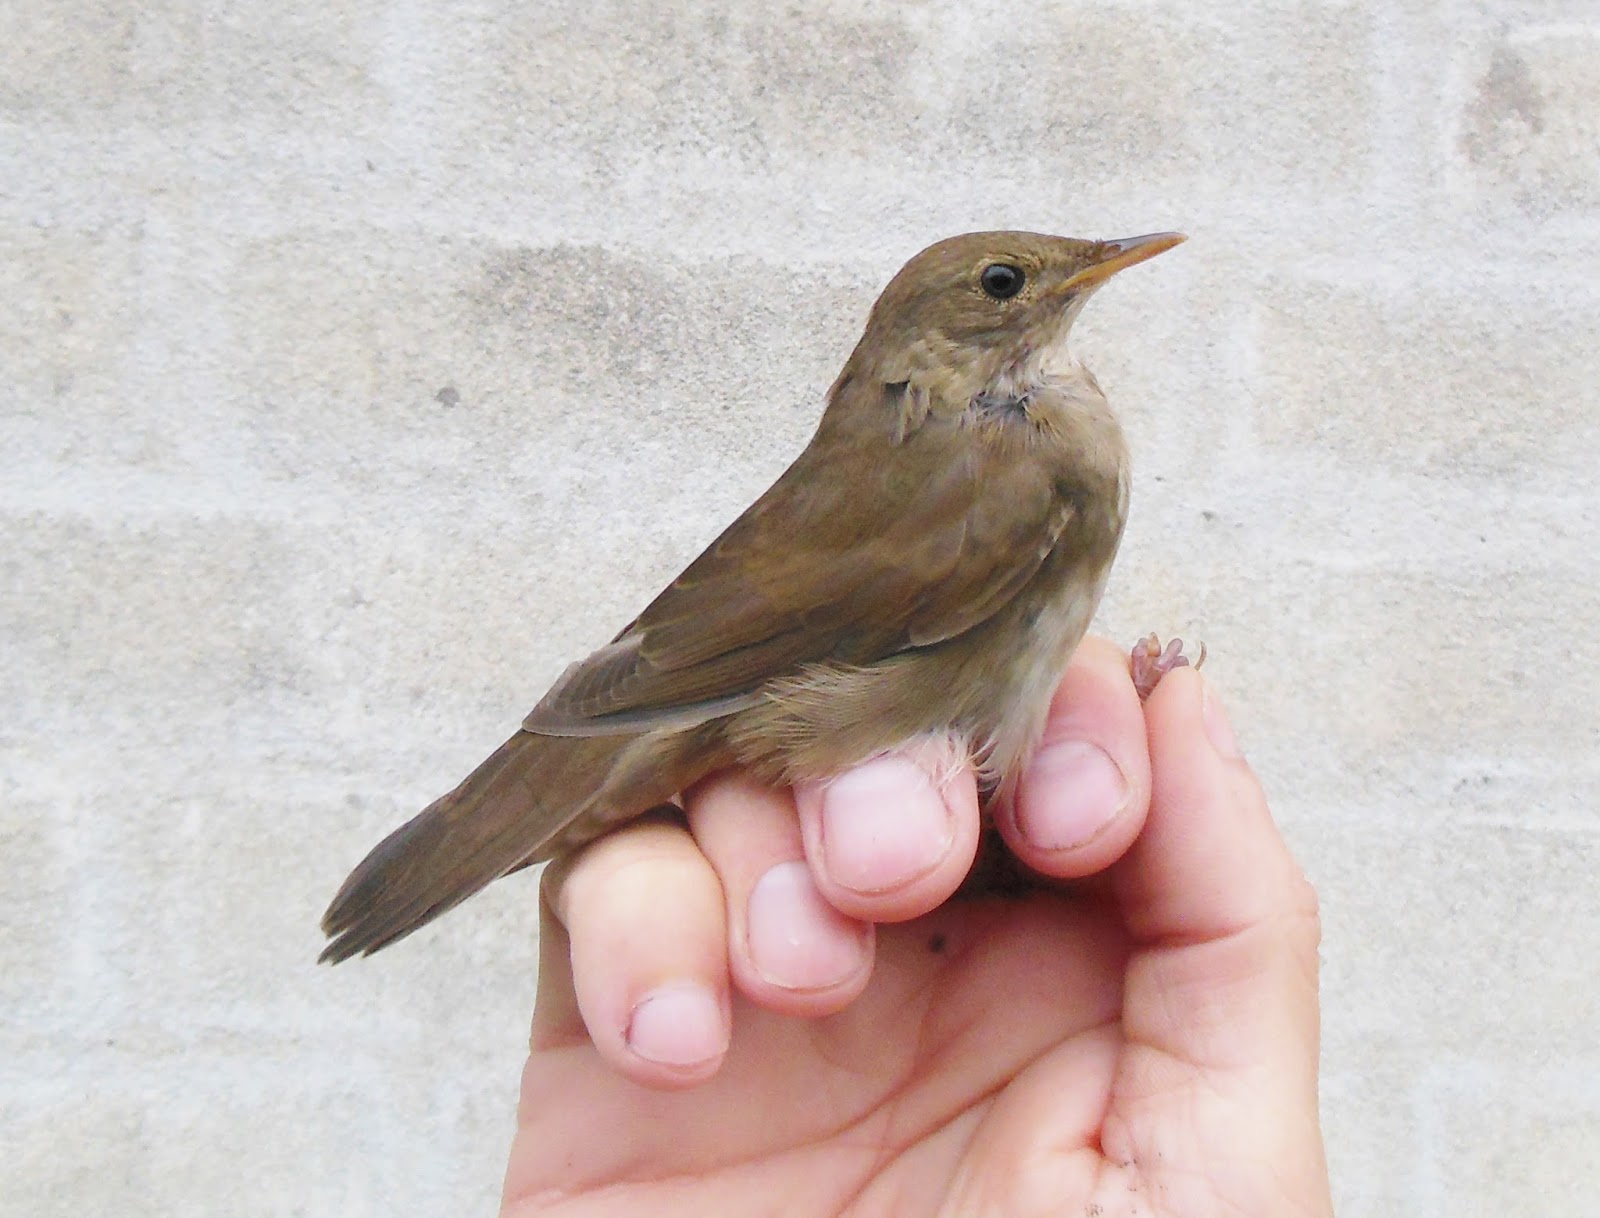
(1002, 280)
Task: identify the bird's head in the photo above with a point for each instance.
(971, 311)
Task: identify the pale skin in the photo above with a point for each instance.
(774, 1007)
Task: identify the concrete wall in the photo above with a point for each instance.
(363, 363)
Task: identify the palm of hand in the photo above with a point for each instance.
(988, 1068)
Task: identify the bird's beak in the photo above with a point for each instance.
(1113, 256)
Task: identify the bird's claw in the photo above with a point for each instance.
(1149, 662)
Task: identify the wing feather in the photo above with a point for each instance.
(916, 545)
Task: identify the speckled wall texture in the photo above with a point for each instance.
(365, 363)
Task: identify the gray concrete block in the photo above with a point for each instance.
(1528, 134)
(1488, 374)
(1448, 881)
(297, 67)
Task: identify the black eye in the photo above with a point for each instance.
(1002, 280)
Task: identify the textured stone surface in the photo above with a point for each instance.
(364, 363)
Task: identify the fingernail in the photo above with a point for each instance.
(883, 825)
(1218, 729)
(1073, 791)
(797, 940)
(680, 1024)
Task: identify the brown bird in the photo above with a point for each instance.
(926, 565)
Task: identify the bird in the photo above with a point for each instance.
(925, 567)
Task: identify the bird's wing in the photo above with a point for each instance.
(845, 564)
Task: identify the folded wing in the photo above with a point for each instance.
(910, 546)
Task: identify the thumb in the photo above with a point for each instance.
(1220, 1005)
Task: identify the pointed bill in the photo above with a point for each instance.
(1121, 254)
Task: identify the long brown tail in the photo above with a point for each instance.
(534, 796)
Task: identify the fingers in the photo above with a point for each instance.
(648, 930)
(1211, 861)
(1224, 976)
(632, 951)
(1082, 797)
(806, 875)
(892, 838)
(789, 949)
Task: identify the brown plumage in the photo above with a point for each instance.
(926, 565)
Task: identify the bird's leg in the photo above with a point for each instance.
(1150, 663)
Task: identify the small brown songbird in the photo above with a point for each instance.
(926, 565)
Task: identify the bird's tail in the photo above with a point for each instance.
(532, 798)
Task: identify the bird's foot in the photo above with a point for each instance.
(1150, 663)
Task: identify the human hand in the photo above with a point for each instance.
(1147, 1037)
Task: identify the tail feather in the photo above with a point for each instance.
(507, 812)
